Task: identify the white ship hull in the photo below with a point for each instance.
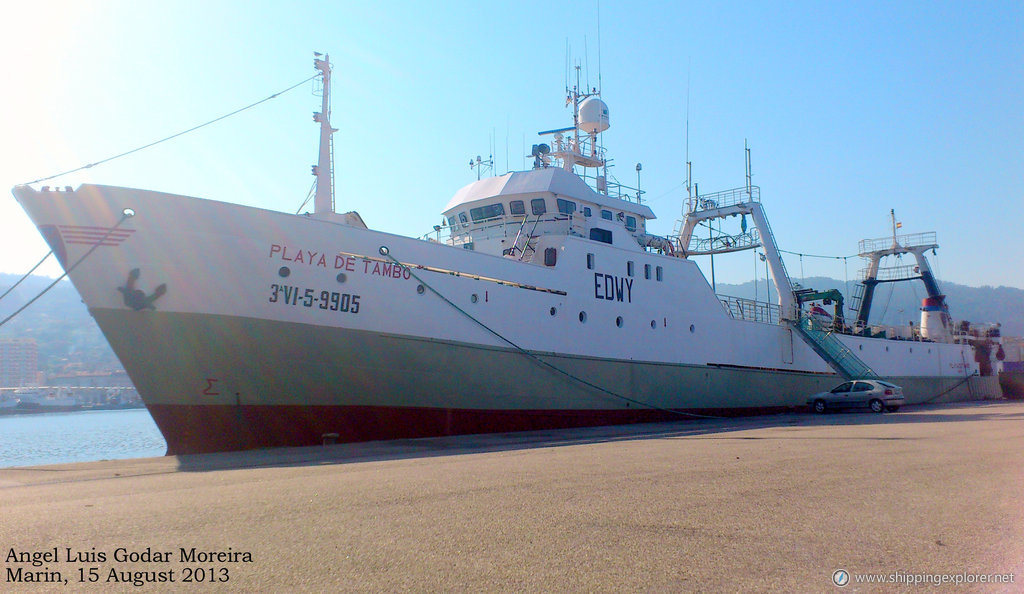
(278, 329)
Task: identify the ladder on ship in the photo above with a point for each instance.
(523, 244)
(855, 301)
(824, 342)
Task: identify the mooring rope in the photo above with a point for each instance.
(192, 129)
(384, 251)
(118, 156)
(124, 216)
(26, 275)
(955, 386)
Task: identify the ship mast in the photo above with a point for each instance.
(935, 313)
(323, 203)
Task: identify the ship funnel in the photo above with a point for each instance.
(935, 319)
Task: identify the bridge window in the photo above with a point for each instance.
(451, 221)
(606, 215)
(490, 211)
(464, 219)
(538, 206)
(586, 211)
(631, 223)
(659, 274)
(647, 271)
(566, 206)
(602, 235)
(517, 207)
(629, 268)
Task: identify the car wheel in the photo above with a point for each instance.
(876, 405)
(819, 406)
(892, 408)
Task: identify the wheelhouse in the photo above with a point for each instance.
(507, 215)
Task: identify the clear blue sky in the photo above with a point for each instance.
(850, 108)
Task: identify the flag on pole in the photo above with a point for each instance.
(898, 224)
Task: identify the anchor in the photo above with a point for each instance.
(137, 298)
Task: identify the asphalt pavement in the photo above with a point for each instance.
(774, 503)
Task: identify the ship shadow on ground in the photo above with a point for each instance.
(709, 428)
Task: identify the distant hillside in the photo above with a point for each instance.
(896, 304)
(69, 339)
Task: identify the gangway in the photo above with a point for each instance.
(822, 340)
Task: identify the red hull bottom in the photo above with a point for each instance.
(202, 429)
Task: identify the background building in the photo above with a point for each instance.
(19, 362)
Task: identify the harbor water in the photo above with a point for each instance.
(81, 436)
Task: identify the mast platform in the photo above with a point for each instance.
(898, 244)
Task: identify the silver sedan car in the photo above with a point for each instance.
(877, 395)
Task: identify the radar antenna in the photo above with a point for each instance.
(481, 165)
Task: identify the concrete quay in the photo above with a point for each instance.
(774, 503)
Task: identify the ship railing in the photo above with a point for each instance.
(613, 188)
(454, 233)
(726, 198)
(887, 331)
(585, 156)
(892, 273)
(750, 310)
(724, 243)
(508, 226)
(907, 241)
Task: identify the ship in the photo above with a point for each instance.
(542, 302)
(42, 400)
(7, 403)
(1011, 368)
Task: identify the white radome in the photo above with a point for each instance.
(593, 115)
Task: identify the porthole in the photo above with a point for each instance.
(341, 277)
(911, 349)
(552, 311)
(692, 328)
(473, 298)
(583, 317)
(283, 272)
(887, 349)
(860, 347)
(618, 321)
(420, 289)
(653, 324)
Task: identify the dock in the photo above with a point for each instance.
(771, 503)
